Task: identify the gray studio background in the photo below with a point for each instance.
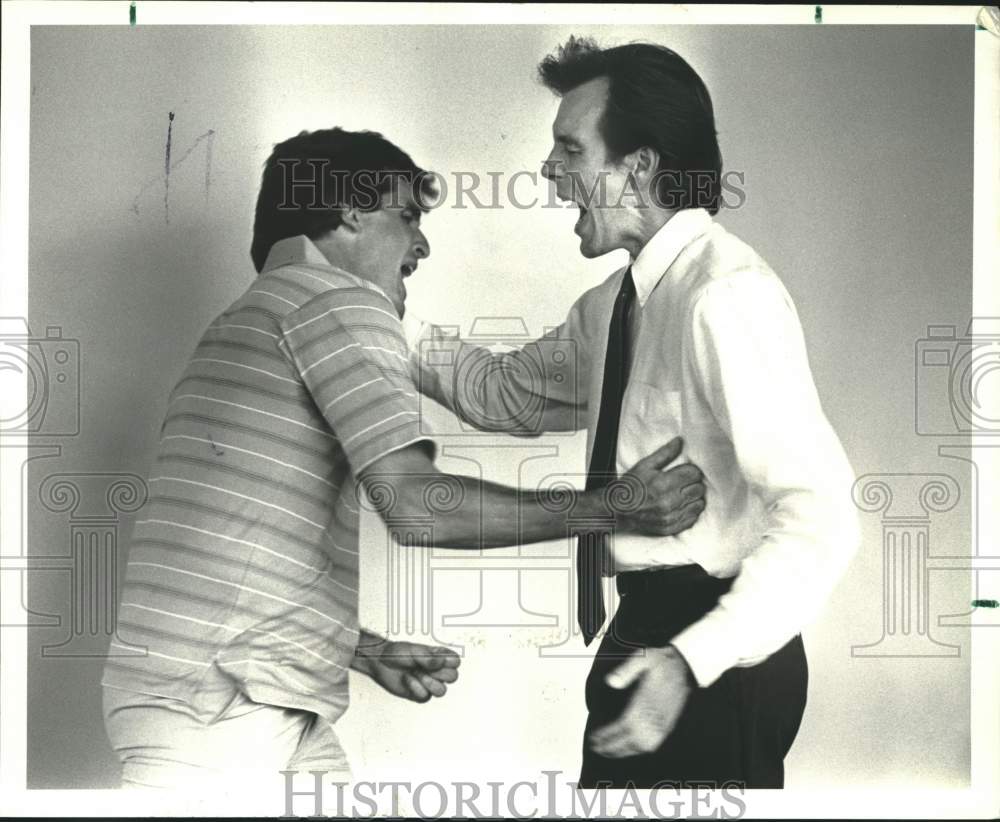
(856, 145)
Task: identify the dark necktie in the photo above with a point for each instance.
(590, 549)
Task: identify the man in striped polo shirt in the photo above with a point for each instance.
(242, 578)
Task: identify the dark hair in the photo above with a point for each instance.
(655, 99)
(310, 179)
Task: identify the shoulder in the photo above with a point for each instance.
(354, 308)
(726, 271)
(594, 303)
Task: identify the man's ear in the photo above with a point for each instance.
(641, 166)
(350, 220)
(645, 162)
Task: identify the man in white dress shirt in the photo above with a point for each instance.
(701, 676)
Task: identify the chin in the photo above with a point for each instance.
(589, 251)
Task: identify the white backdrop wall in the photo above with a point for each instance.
(856, 146)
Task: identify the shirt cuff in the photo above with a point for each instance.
(709, 646)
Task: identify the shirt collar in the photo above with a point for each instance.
(664, 247)
(301, 251)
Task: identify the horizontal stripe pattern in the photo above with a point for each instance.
(243, 568)
(348, 345)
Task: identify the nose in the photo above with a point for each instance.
(552, 166)
(421, 246)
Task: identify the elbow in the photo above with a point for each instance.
(394, 497)
(827, 521)
(424, 499)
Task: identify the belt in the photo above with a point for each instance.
(631, 583)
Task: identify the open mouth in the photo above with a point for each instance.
(406, 269)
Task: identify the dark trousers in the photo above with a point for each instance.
(737, 730)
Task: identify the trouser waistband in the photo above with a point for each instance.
(631, 583)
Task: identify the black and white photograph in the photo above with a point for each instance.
(499, 410)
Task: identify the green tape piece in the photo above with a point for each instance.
(131, 14)
(985, 603)
(819, 14)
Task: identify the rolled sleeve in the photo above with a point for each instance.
(350, 350)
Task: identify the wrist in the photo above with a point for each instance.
(690, 678)
(367, 652)
(361, 662)
(593, 506)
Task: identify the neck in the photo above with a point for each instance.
(335, 252)
(651, 220)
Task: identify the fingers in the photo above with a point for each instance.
(682, 475)
(626, 673)
(693, 492)
(418, 693)
(662, 456)
(431, 669)
(666, 520)
(447, 657)
(441, 663)
(407, 655)
(689, 513)
(423, 686)
(444, 675)
(433, 686)
(636, 731)
(693, 509)
(684, 518)
(618, 739)
(440, 666)
(669, 490)
(608, 738)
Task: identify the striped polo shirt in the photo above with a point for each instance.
(242, 574)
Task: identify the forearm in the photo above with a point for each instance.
(420, 504)
(747, 353)
(473, 514)
(781, 588)
(521, 392)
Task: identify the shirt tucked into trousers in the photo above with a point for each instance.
(718, 357)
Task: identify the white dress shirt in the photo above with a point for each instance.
(718, 357)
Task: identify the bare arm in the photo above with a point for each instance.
(647, 499)
(525, 392)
